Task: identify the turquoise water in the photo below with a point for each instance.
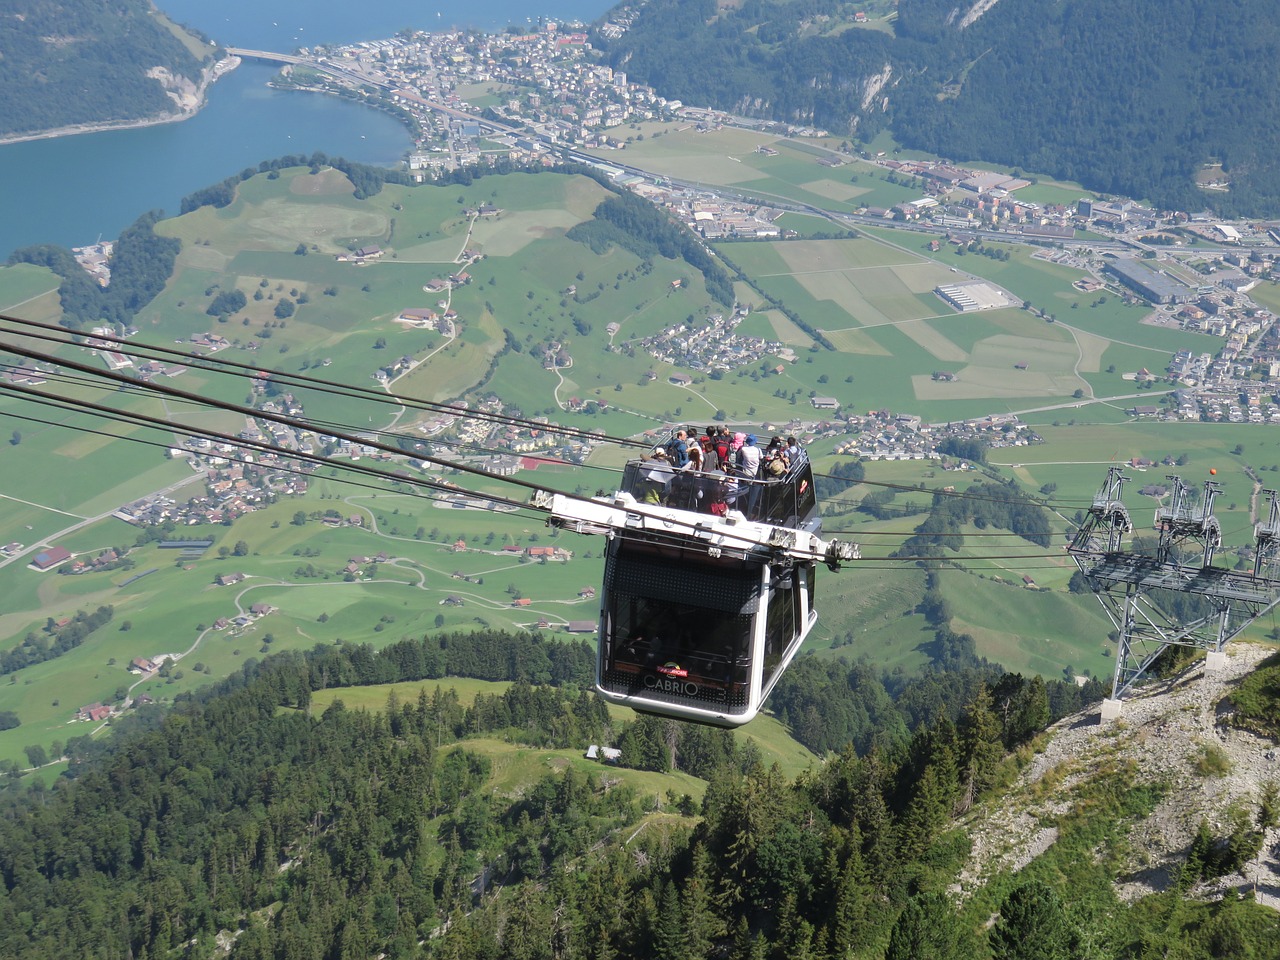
(286, 24)
(71, 190)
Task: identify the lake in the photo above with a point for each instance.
(72, 190)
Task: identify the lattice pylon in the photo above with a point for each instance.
(1129, 585)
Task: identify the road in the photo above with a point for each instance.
(45, 542)
(1066, 405)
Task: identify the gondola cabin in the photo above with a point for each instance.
(708, 586)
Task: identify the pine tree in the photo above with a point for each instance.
(800, 944)
(927, 927)
(1028, 712)
(850, 928)
(873, 818)
(981, 746)
(668, 931)
(1198, 857)
(1033, 925)
(742, 939)
(702, 927)
(788, 926)
(925, 815)
(527, 934)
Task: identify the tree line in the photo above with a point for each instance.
(635, 224)
(141, 264)
(55, 640)
(984, 504)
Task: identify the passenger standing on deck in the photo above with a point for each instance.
(775, 452)
(710, 458)
(749, 469)
(678, 450)
(685, 487)
(655, 477)
(695, 458)
(724, 447)
(713, 490)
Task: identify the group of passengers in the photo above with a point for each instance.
(704, 472)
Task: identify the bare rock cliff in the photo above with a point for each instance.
(1173, 736)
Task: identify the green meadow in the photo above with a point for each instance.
(298, 570)
(28, 291)
(776, 745)
(741, 158)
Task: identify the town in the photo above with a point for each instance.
(1193, 270)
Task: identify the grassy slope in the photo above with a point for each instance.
(516, 765)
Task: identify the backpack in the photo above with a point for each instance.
(674, 454)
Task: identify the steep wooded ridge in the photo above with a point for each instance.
(65, 63)
(250, 823)
(1131, 98)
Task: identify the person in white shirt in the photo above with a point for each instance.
(749, 469)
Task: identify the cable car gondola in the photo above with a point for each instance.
(708, 585)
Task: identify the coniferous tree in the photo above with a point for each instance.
(926, 814)
(982, 750)
(850, 926)
(1033, 926)
(702, 927)
(668, 932)
(926, 927)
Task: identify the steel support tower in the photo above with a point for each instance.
(1142, 595)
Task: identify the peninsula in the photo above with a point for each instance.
(69, 67)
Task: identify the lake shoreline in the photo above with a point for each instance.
(200, 98)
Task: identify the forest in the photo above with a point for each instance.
(984, 505)
(1130, 99)
(67, 62)
(244, 817)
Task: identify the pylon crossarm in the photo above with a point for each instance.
(1143, 621)
(1167, 630)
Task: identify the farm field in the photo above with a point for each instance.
(28, 291)
(1046, 632)
(298, 570)
(892, 334)
(741, 158)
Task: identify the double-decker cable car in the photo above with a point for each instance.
(708, 585)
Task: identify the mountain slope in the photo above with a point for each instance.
(1176, 761)
(72, 62)
(1131, 98)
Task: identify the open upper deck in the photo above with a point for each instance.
(787, 500)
